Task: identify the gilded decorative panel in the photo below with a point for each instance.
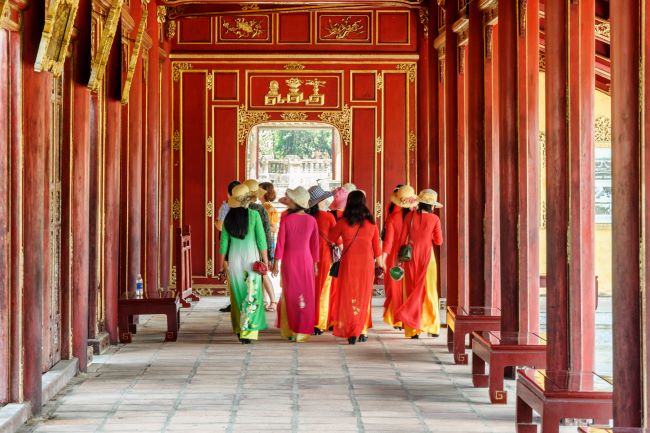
(244, 29)
(59, 22)
(348, 28)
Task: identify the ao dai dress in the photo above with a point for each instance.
(325, 221)
(356, 276)
(419, 311)
(297, 248)
(247, 311)
(394, 289)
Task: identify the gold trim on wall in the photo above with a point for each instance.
(294, 116)
(410, 69)
(246, 120)
(178, 68)
(176, 209)
(294, 67)
(59, 22)
(342, 120)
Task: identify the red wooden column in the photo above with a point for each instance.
(152, 161)
(36, 115)
(645, 200)
(5, 248)
(529, 163)
(630, 348)
(439, 45)
(112, 181)
(569, 117)
(508, 164)
(424, 95)
(491, 130)
(582, 86)
(165, 175)
(475, 157)
(450, 150)
(460, 27)
(434, 97)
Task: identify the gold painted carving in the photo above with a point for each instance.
(246, 120)
(424, 20)
(378, 210)
(343, 29)
(135, 54)
(176, 209)
(295, 96)
(294, 67)
(413, 141)
(209, 144)
(171, 29)
(603, 129)
(523, 7)
(209, 268)
(410, 70)
(178, 68)
(98, 66)
(209, 209)
(542, 60)
(172, 276)
(5, 17)
(250, 7)
(161, 14)
(602, 30)
(380, 81)
(379, 144)
(294, 116)
(59, 22)
(542, 147)
(342, 120)
(209, 81)
(244, 29)
(176, 140)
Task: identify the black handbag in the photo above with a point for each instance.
(334, 269)
(405, 253)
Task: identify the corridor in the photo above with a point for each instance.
(207, 382)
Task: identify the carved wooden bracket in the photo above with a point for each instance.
(134, 55)
(59, 22)
(98, 66)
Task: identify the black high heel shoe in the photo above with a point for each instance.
(414, 337)
(318, 331)
(363, 338)
(245, 341)
(352, 340)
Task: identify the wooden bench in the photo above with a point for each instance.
(501, 350)
(605, 429)
(558, 395)
(465, 320)
(165, 303)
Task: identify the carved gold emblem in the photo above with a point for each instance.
(176, 209)
(294, 67)
(98, 66)
(343, 29)
(294, 116)
(244, 29)
(295, 96)
(410, 70)
(178, 68)
(171, 29)
(246, 120)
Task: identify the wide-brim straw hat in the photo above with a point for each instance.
(404, 197)
(299, 196)
(349, 187)
(429, 197)
(340, 198)
(240, 197)
(317, 195)
(254, 188)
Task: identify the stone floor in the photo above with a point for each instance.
(208, 382)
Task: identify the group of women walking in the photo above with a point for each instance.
(329, 255)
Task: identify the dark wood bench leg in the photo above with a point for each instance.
(479, 378)
(133, 327)
(450, 340)
(550, 421)
(123, 325)
(460, 357)
(524, 418)
(172, 324)
(498, 395)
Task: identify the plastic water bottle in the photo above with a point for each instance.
(139, 287)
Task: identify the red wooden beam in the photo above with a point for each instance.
(5, 254)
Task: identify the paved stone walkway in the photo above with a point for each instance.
(208, 382)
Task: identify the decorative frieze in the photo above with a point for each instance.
(602, 30)
(294, 116)
(413, 141)
(246, 120)
(342, 120)
(294, 67)
(176, 140)
(424, 20)
(178, 68)
(410, 69)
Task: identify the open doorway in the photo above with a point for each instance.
(291, 154)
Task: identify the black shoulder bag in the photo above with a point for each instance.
(334, 269)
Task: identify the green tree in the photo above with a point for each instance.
(302, 142)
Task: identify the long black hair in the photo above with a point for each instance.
(425, 207)
(356, 211)
(392, 205)
(313, 211)
(236, 222)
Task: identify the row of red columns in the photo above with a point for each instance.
(25, 143)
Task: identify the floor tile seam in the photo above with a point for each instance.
(351, 394)
(405, 388)
(447, 375)
(295, 394)
(197, 363)
(234, 408)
